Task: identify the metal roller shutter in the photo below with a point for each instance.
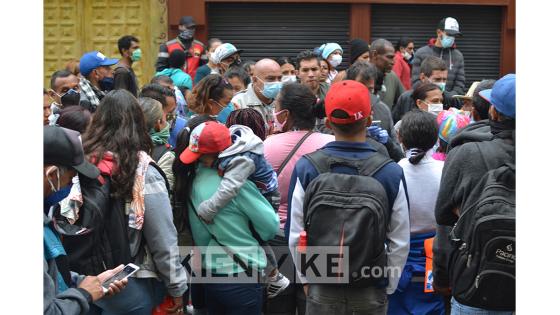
(276, 30)
(480, 25)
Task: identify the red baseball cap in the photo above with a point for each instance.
(351, 97)
(208, 137)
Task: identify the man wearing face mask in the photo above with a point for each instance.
(96, 78)
(445, 48)
(186, 42)
(267, 82)
(64, 291)
(225, 57)
(64, 91)
(125, 78)
(433, 70)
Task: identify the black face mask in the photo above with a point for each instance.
(72, 97)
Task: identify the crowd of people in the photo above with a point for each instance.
(389, 159)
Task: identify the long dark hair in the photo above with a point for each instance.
(118, 126)
(302, 104)
(418, 130)
(184, 175)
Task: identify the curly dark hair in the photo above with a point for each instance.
(248, 117)
(118, 126)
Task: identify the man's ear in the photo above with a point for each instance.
(369, 120)
(493, 113)
(297, 73)
(422, 76)
(328, 123)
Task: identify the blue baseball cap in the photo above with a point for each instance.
(92, 60)
(502, 95)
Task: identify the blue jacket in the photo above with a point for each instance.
(390, 176)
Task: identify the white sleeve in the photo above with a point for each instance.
(296, 224)
(398, 236)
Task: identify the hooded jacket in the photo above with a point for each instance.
(465, 165)
(455, 66)
(179, 78)
(243, 160)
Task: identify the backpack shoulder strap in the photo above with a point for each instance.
(373, 164)
(162, 175)
(159, 151)
(367, 167)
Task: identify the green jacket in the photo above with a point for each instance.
(231, 225)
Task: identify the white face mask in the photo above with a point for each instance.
(407, 55)
(288, 78)
(336, 60)
(435, 108)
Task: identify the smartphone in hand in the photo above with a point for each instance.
(127, 271)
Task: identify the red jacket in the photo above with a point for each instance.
(193, 55)
(402, 69)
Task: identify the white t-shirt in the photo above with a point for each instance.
(422, 182)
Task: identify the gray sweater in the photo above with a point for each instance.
(455, 66)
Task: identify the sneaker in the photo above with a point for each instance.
(276, 285)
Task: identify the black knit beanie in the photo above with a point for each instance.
(357, 47)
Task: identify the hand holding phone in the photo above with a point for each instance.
(114, 280)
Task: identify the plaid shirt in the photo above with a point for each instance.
(92, 93)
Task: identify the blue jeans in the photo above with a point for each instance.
(139, 297)
(460, 309)
(233, 298)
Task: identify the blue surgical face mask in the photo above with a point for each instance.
(271, 89)
(107, 84)
(447, 41)
(59, 193)
(224, 113)
(56, 197)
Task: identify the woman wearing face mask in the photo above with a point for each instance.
(288, 69)
(212, 96)
(295, 113)
(118, 141)
(427, 97)
(324, 71)
(332, 53)
(404, 51)
(158, 127)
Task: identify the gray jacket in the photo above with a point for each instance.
(238, 170)
(71, 301)
(455, 66)
(159, 257)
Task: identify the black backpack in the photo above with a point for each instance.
(349, 210)
(99, 239)
(482, 264)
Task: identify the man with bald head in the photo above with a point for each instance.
(381, 55)
(259, 95)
